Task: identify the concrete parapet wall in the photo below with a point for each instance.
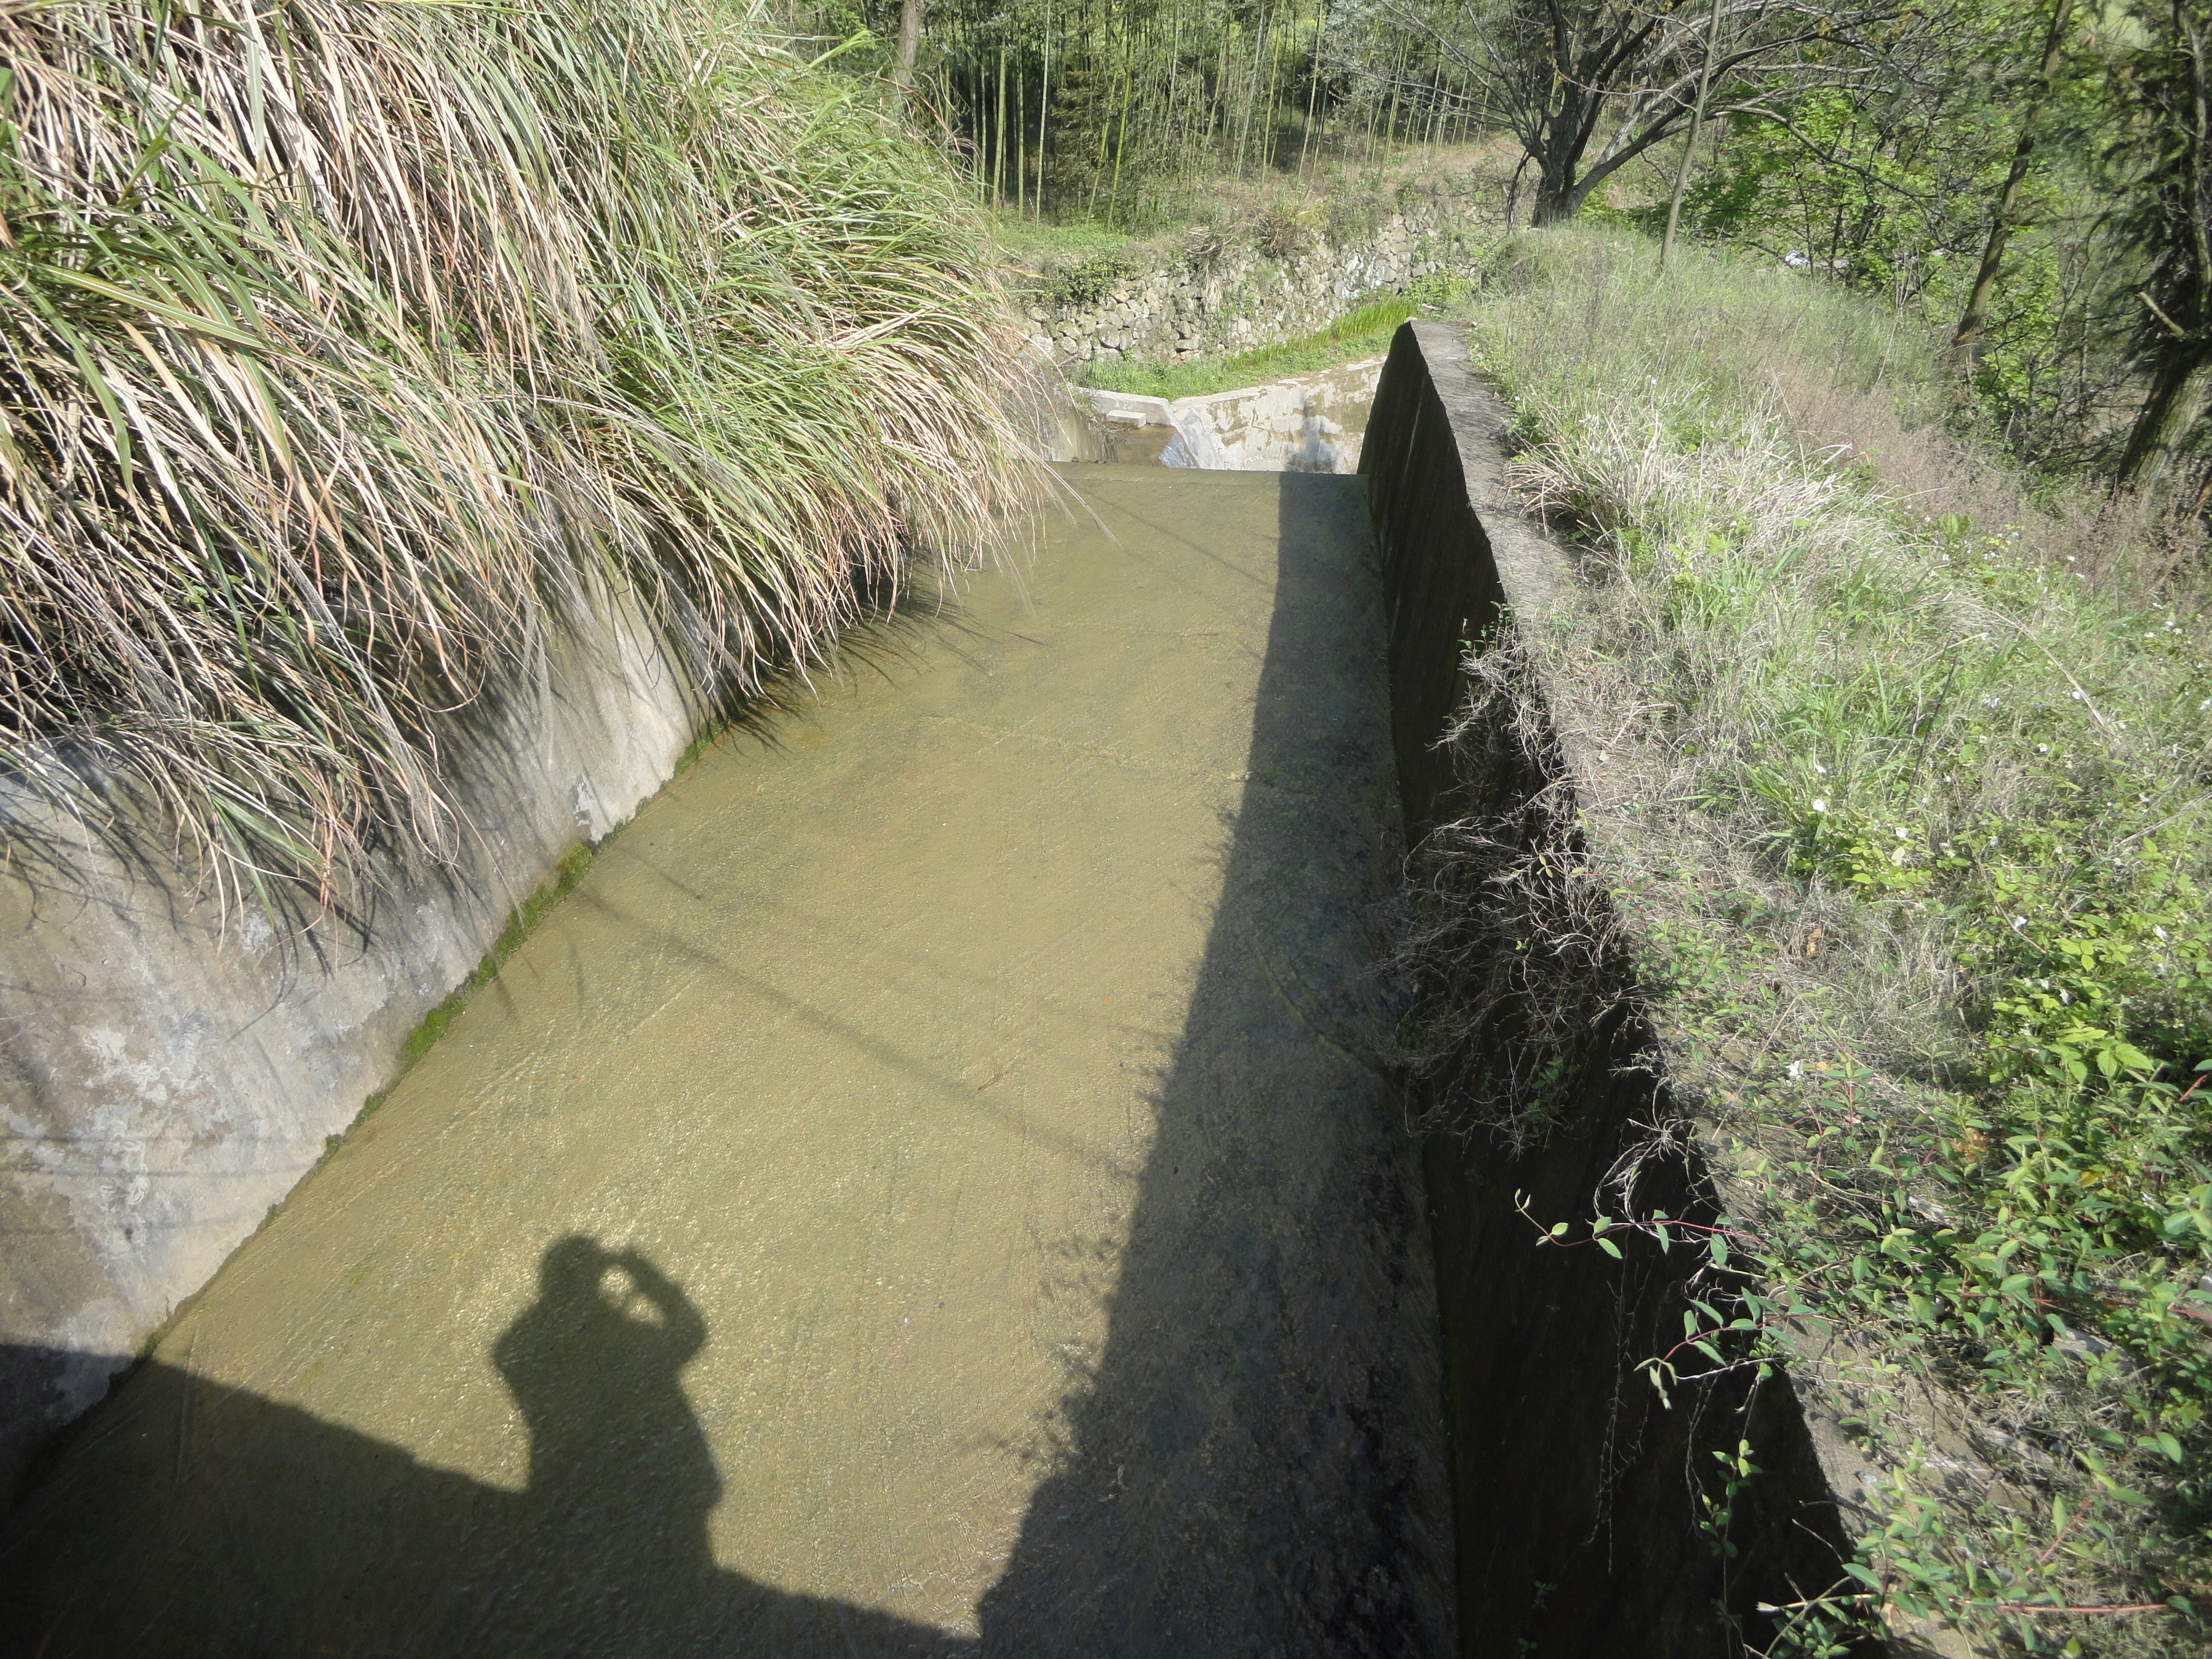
(1574, 1487)
(167, 1074)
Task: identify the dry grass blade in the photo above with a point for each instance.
(344, 345)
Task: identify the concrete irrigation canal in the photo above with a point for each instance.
(933, 1187)
(928, 1186)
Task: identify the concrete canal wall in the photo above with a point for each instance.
(1305, 423)
(167, 1074)
(1575, 1510)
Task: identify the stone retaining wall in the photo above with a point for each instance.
(1246, 298)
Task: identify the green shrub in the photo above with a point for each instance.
(1354, 216)
(1283, 230)
(1080, 286)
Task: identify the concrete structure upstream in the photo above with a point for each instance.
(1305, 423)
(929, 1189)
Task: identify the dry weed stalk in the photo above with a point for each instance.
(1509, 942)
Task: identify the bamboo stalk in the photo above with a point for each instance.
(1122, 140)
(1044, 105)
(1313, 91)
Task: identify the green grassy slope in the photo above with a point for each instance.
(1906, 763)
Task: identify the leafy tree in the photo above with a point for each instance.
(1619, 76)
(1916, 182)
(1976, 316)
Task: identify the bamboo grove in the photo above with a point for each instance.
(1116, 113)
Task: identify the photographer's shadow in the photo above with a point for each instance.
(190, 1519)
(620, 1475)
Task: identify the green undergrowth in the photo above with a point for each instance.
(1362, 333)
(1899, 764)
(1043, 241)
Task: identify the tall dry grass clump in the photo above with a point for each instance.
(346, 346)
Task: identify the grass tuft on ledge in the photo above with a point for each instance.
(346, 348)
(1902, 763)
(1360, 334)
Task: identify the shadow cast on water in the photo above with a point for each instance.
(1246, 1469)
(1251, 1466)
(225, 1524)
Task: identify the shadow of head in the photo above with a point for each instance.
(187, 1518)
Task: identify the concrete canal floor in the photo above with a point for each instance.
(925, 1192)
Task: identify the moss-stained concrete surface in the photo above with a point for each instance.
(924, 1190)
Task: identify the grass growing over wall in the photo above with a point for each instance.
(1364, 333)
(1904, 764)
(346, 346)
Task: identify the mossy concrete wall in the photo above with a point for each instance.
(167, 1073)
(1575, 1490)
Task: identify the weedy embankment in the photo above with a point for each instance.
(1900, 767)
(346, 348)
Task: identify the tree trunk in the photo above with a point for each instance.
(1559, 196)
(910, 41)
(1977, 313)
(2181, 347)
(1697, 124)
(2178, 389)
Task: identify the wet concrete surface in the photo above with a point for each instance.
(927, 1191)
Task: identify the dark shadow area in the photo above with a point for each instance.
(1250, 1467)
(223, 1523)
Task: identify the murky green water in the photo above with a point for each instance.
(925, 1190)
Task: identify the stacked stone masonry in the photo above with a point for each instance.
(1246, 298)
